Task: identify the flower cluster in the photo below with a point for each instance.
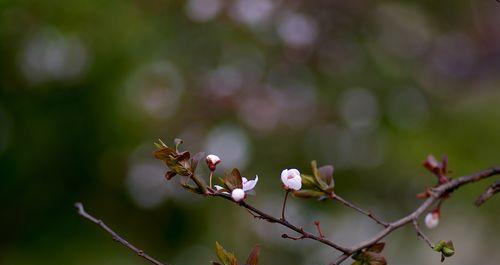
(317, 185)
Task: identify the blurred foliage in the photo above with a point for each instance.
(371, 87)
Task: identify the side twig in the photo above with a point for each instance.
(421, 234)
(488, 193)
(115, 236)
(356, 208)
(318, 227)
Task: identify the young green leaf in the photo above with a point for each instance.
(448, 249)
(227, 258)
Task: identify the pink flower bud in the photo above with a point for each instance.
(432, 220)
(212, 161)
(431, 163)
(238, 194)
(291, 179)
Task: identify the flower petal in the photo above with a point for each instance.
(284, 175)
(250, 184)
(294, 172)
(238, 195)
(295, 183)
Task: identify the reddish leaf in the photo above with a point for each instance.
(233, 180)
(253, 258)
(326, 174)
(431, 163)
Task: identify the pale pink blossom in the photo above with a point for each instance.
(238, 194)
(291, 179)
(432, 220)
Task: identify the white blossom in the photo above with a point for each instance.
(238, 194)
(249, 184)
(432, 220)
(291, 179)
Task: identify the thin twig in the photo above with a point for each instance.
(488, 193)
(116, 237)
(356, 208)
(285, 223)
(421, 234)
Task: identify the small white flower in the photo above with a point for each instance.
(212, 161)
(432, 220)
(238, 194)
(291, 179)
(248, 185)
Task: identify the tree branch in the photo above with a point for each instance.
(438, 192)
(81, 211)
(488, 193)
(356, 208)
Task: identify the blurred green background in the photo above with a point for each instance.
(371, 87)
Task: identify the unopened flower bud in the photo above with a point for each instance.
(212, 161)
(291, 179)
(431, 162)
(432, 220)
(238, 194)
